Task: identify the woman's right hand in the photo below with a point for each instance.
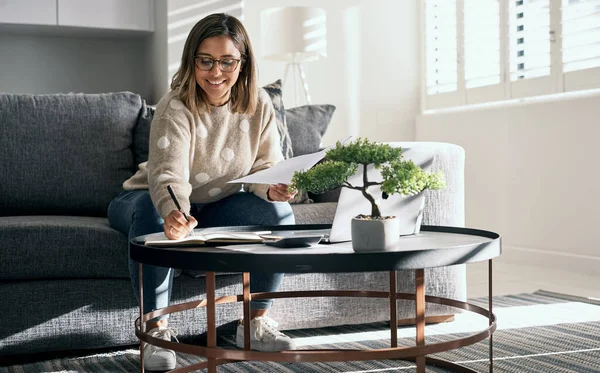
(176, 227)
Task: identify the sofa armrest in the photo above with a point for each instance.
(446, 206)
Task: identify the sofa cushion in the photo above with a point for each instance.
(448, 282)
(274, 91)
(307, 125)
(41, 247)
(65, 154)
(314, 213)
(141, 134)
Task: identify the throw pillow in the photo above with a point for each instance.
(274, 91)
(307, 125)
(65, 154)
(141, 134)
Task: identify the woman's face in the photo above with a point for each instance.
(216, 82)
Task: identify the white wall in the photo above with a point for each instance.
(40, 61)
(372, 70)
(371, 73)
(531, 175)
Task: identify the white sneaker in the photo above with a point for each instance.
(264, 336)
(158, 358)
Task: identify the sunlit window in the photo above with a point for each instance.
(479, 51)
(440, 52)
(529, 38)
(482, 43)
(581, 34)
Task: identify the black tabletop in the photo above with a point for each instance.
(434, 246)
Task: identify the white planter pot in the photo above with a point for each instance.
(411, 214)
(375, 235)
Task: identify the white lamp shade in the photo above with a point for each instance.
(294, 34)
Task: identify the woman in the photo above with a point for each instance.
(215, 125)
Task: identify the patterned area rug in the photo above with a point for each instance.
(542, 332)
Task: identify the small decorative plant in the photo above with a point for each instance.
(399, 176)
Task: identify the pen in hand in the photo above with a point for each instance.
(174, 198)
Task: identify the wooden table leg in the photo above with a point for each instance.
(393, 311)
(420, 315)
(142, 323)
(246, 284)
(490, 315)
(211, 329)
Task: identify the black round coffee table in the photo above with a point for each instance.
(434, 246)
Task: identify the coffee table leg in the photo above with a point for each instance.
(393, 311)
(142, 323)
(246, 284)
(490, 316)
(210, 319)
(420, 315)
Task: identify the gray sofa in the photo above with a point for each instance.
(64, 282)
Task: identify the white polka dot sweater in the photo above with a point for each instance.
(198, 155)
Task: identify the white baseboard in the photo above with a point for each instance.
(552, 259)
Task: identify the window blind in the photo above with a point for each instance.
(529, 39)
(478, 51)
(441, 46)
(581, 34)
(481, 42)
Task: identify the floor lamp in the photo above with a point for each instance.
(294, 35)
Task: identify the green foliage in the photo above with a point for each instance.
(399, 176)
(323, 177)
(407, 179)
(364, 152)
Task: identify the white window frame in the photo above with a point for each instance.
(556, 82)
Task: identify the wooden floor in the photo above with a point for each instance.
(512, 277)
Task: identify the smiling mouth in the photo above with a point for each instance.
(216, 82)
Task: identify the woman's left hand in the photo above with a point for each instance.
(280, 193)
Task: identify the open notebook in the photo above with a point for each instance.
(204, 238)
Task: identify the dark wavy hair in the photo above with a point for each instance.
(244, 94)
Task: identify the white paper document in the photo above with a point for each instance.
(283, 171)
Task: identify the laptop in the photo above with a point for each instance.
(408, 209)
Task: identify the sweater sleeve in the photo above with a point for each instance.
(269, 150)
(168, 163)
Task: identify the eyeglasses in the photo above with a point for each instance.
(226, 65)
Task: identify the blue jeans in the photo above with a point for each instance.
(133, 214)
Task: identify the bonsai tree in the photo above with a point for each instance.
(399, 176)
